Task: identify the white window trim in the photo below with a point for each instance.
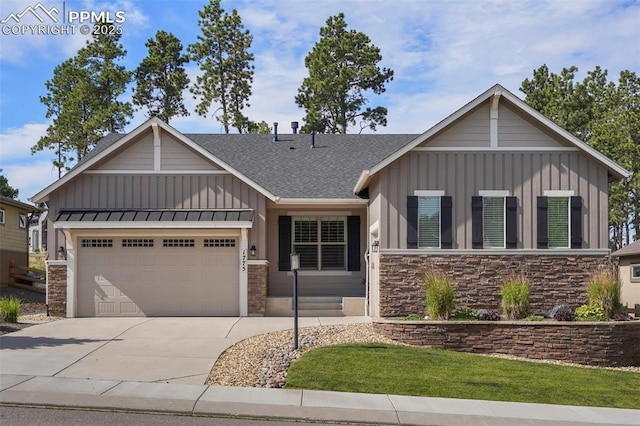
(428, 193)
(562, 194)
(557, 193)
(491, 193)
(631, 277)
(3, 215)
(22, 221)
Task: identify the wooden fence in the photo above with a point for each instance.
(20, 275)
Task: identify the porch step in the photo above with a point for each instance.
(320, 313)
(320, 304)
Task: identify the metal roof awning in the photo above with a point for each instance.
(138, 218)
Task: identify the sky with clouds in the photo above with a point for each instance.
(443, 53)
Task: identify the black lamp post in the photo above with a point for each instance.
(295, 265)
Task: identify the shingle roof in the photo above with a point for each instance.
(290, 168)
(632, 249)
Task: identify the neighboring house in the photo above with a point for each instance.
(629, 270)
(14, 239)
(156, 222)
(38, 233)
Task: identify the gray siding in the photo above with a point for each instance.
(470, 131)
(97, 191)
(138, 156)
(525, 175)
(347, 284)
(514, 130)
(175, 155)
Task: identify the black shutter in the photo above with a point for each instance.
(511, 222)
(353, 243)
(576, 222)
(446, 222)
(476, 222)
(412, 222)
(284, 243)
(543, 238)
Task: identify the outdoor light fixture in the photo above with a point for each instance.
(252, 250)
(295, 265)
(375, 246)
(61, 252)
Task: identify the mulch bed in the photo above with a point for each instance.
(32, 304)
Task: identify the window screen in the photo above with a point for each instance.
(558, 222)
(493, 223)
(428, 222)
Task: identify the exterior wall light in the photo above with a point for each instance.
(375, 246)
(61, 253)
(252, 250)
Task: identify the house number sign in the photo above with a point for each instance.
(243, 260)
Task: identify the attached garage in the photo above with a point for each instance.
(156, 263)
(158, 276)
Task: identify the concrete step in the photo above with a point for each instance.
(319, 306)
(320, 299)
(320, 313)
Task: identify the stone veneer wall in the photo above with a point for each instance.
(601, 343)
(476, 279)
(57, 288)
(258, 277)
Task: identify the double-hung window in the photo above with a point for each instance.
(559, 220)
(493, 222)
(429, 222)
(321, 242)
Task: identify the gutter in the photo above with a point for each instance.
(362, 181)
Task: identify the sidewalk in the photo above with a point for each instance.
(296, 404)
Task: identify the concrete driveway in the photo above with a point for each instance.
(168, 350)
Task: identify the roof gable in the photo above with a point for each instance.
(548, 134)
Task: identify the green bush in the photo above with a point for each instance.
(10, 309)
(465, 314)
(412, 317)
(590, 313)
(604, 290)
(515, 298)
(533, 318)
(439, 296)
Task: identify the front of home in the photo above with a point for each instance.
(156, 222)
(14, 239)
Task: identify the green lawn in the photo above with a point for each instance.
(403, 370)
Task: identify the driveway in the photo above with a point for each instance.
(168, 350)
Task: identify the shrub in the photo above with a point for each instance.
(439, 296)
(590, 313)
(564, 313)
(533, 318)
(487, 315)
(413, 317)
(465, 314)
(604, 290)
(10, 308)
(515, 298)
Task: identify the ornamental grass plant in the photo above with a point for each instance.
(10, 309)
(515, 298)
(439, 295)
(604, 291)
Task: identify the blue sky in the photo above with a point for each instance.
(444, 53)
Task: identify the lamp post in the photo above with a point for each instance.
(295, 265)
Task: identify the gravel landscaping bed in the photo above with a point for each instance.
(262, 361)
(33, 309)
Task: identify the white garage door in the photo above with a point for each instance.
(158, 276)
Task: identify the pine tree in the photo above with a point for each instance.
(342, 66)
(222, 52)
(7, 190)
(161, 78)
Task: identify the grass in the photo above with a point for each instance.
(404, 370)
(10, 309)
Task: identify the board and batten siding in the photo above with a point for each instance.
(158, 191)
(525, 174)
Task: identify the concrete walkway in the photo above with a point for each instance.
(135, 364)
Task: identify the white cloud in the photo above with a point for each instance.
(16, 142)
(32, 177)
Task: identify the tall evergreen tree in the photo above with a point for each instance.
(605, 115)
(222, 52)
(82, 100)
(7, 190)
(342, 66)
(161, 78)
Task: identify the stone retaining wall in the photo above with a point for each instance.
(57, 288)
(592, 343)
(477, 279)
